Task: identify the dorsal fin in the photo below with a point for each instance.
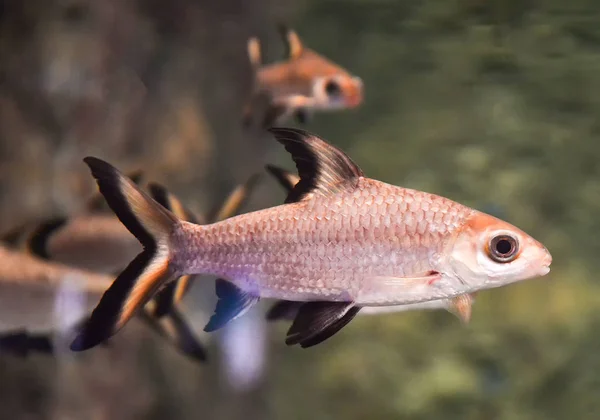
(292, 43)
(37, 243)
(322, 168)
(254, 52)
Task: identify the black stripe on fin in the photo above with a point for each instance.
(152, 225)
(285, 178)
(97, 203)
(233, 302)
(38, 240)
(318, 321)
(322, 168)
(283, 310)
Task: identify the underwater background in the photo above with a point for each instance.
(492, 103)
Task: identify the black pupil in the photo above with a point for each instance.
(503, 246)
(332, 88)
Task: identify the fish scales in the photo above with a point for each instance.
(325, 248)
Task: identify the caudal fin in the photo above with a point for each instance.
(173, 293)
(152, 225)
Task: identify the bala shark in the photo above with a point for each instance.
(341, 242)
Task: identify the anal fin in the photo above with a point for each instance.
(233, 302)
(318, 321)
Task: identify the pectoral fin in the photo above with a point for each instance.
(461, 306)
(233, 302)
(318, 321)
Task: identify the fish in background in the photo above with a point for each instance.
(29, 289)
(287, 310)
(304, 82)
(92, 239)
(50, 241)
(340, 242)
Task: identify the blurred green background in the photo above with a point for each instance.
(493, 103)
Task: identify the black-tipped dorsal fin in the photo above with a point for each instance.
(37, 243)
(322, 168)
(318, 321)
(285, 178)
(291, 41)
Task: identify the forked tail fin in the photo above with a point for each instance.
(152, 225)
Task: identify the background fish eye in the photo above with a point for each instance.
(332, 88)
(503, 248)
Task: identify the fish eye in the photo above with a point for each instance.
(503, 248)
(332, 88)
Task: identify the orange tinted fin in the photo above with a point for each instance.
(152, 225)
(174, 291)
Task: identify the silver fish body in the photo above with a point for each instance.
(331, 248)
(340, 242)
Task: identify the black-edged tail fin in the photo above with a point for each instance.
(174, 292)
(96, 203)
(152, 225)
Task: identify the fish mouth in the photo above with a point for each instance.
(545, 270)
(353, 101)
